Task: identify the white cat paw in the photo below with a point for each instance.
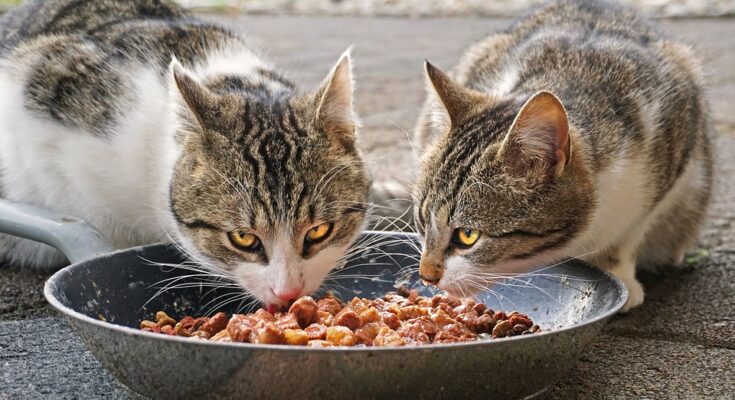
(635, 294)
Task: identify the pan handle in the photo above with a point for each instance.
(72, 236)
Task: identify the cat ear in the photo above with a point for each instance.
(538, 140)
(335, 113)
(452, 102)
(201, 103)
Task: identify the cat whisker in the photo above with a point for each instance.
(215, 300)
(219, 306)
(251, 301)
(332, 285)
(499, 297)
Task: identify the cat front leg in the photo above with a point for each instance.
(622, 264)
(625, 271)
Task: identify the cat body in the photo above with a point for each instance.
(582, 131)
(154, 126)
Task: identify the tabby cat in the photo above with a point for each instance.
(153, 125)
(580, 131)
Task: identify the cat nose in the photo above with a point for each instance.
(430, 273)
(288, 294)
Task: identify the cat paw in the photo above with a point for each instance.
(635, 294)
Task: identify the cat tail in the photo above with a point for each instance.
(392, 208)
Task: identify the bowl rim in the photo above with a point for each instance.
(52, 286)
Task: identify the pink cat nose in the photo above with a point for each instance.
(288, 294)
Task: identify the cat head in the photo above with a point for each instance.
(503, 189)
(270, 189)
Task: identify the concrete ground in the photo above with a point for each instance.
(679, 344)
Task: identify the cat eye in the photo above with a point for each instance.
(244, 241)
(318, 233)
(464, 238)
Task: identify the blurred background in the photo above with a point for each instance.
(427, 8)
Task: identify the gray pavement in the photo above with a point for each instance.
(679, 344)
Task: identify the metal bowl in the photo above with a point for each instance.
(105, 298)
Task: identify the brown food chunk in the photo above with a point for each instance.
(187, 322)
(425, 303)
(162, 319)
(369, 315)
(467, 306)
(147, 324)
(390, 319)
(367, 333)
(324, 318)
(155, 329)
(179, 330)
(269, 333)
(359, 305)
(201, 335)
(409, 312)
(341, 336)
(502, 328)
(304, 309)
(316, 331)
(264, 315)
(221, 336)
(413, 333)
(427, 325)
(240, 327)
(400, 301)
(485, 324)
(288, 321)
(215, 324)
(454, 333)
(330, 305)
(387, 337)
(441, 318)
(451, 301)
(449, 310)
(481, 324)
(520, 319)
(297, 337)
(318, 343)
(347, 318)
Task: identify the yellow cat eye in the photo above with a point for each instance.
(318, 233)
(465, 237)
(245, 241)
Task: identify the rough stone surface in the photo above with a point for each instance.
(679, 344)
(625, 368)
(692, 305)
(41, 358)
(21, 295)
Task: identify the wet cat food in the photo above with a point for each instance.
(397, 319)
